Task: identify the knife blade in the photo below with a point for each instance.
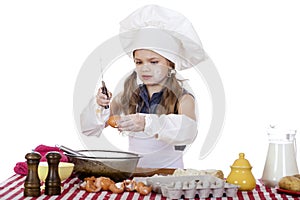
(103, 88)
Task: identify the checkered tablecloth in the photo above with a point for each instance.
(13, 188)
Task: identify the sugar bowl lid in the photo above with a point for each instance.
(241, 162)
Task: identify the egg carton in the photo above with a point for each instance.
(203, 186)
(190, 190)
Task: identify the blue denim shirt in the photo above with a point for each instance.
(149, 105)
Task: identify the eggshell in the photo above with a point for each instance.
(112, 121)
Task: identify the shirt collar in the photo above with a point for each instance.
(145, 96)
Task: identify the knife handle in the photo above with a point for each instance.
(105, 91)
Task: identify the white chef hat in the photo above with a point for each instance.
(165, 32)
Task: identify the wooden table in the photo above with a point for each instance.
(13, 188)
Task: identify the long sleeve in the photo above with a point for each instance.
(172, 128)
(93, 118)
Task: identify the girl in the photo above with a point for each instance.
(158, 114)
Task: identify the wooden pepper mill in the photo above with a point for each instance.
(32, 182)
(53, 182)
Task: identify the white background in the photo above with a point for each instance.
(255, 46)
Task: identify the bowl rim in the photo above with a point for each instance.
(60, 164)
(133, 155)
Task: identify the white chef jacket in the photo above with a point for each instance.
(157, 144)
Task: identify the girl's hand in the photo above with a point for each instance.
(102, 99)
(132, 123)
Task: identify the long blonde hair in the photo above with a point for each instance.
(129, 99)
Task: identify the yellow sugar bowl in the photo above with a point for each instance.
(241, 174)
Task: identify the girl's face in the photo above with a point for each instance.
(151, 68)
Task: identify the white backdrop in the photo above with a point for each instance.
(254, 45)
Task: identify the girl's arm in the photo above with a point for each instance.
(176, 129)
(93, 118)
(187, 106)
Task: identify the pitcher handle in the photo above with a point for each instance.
(295, 145)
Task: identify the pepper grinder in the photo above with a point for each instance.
(32, 182)
(53, 182)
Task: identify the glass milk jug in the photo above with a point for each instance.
(281, 156)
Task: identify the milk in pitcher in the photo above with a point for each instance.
(281, 157)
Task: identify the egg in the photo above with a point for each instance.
(112, 121)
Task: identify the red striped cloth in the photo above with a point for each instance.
(13, 188)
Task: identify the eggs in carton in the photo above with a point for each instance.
(190, 183)
(203, 189)
(203, 186)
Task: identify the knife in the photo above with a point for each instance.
(103, 88)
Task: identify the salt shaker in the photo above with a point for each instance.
(32, 182)
(53, 182)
